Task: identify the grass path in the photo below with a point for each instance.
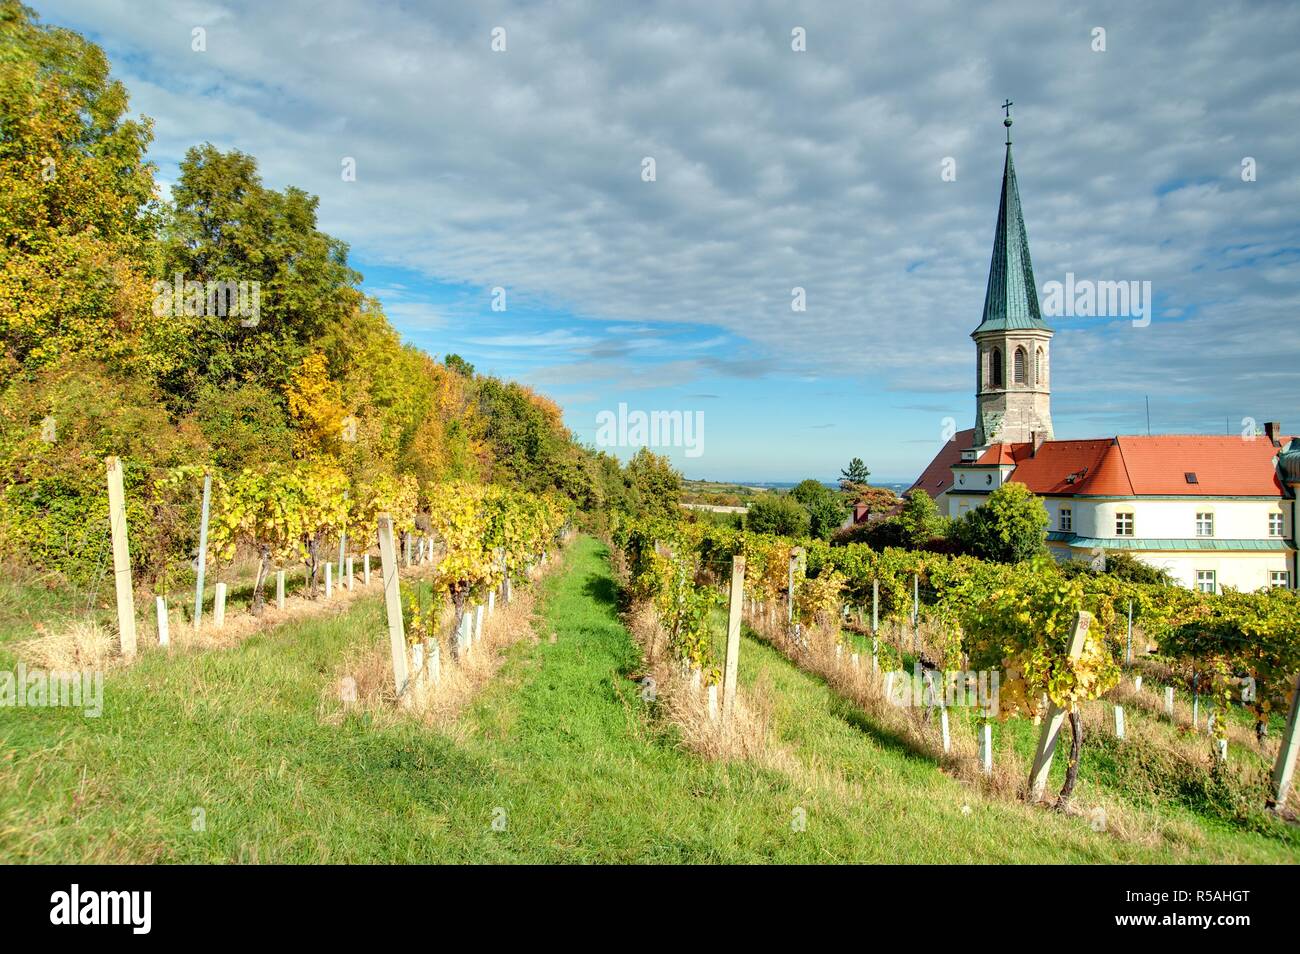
(560, 748)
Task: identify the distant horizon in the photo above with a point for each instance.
(790, 483)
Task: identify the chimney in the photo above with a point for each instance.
(1273, 431)
(1036, 438)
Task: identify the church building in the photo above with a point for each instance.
(1215, 511)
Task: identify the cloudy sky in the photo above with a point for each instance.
(774, 168)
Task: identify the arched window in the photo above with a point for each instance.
(995, 370)
(1018, 370)
(1040, 369)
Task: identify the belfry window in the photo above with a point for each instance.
(995, 369)
(1019, 367)
(1039, 368)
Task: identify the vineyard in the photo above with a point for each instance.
(467, 541)
(915, 639)
(281, 587)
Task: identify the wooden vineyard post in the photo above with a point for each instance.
(121, 558)
(460, 646)
(365, 569)
(279, 589)
(1055, 716)
(350, 574)
(343, 542)
(164, 635)
(478, 622)
(916, 612)
(1196, 702)
(732, 665)
(219, 606)
(875, 625)
(796, 562)
(1128, 645)
(203, 550)
(329, 580)
(1119, 722)
(393, 602)
(789, 589)
(432, 654)
(1286, 753)
(986, 746)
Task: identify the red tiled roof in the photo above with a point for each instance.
(937, 477)
(1051, 470)
(1224, 465)
(997, 454)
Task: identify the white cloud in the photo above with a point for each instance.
(776, 169)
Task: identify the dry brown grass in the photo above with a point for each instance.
(1170, 756)
(916, 727)
(85, 644)
(744, 734)
(436, 703)
(1150, 699)
(82, 645)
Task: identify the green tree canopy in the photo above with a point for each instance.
(1008, 527)
(653, 486)
(76, 205)
(826, 508)
(855, 473)
(455, 362)
(777, 513)
(224, 226)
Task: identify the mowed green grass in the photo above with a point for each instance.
(560, 750)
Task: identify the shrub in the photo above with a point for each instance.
(778, 514)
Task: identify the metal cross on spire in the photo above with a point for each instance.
(1007, 122)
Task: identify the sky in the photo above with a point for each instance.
(1154, 143)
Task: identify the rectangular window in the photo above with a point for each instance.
(1279, 578)
(1205, 524)
(1067, 518)
(1275, 525)
(1205, 581)
(1124, 524)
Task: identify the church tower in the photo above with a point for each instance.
(1012, 343)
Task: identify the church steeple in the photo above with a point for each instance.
(1012, 340)
(1011, 300)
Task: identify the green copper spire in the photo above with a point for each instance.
(1011, 302)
